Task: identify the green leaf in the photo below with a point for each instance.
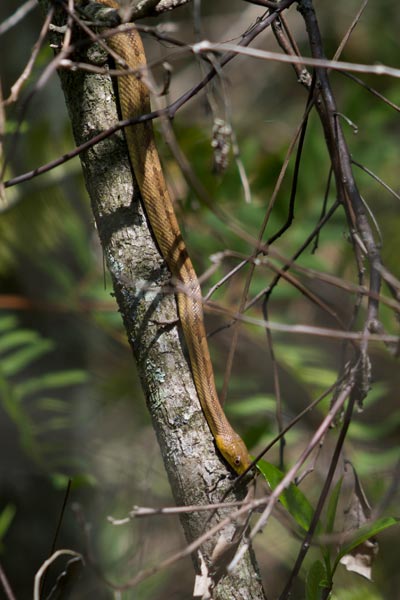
(375, 430)
(253, 406)
(318, 376)
(80, 480)
(7, 322)
(316, 578)
(17, 337)
(372, 462)
(357, 592)
(55, 405)
(332, 506)
(6, 517)
(51, 380)
(365, 533)
(292, 498)
(14, 363)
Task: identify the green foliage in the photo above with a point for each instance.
(23, 395)
(320, 574)
(6, 518)
(292, 498)
(257, 411)
(316, 578)
(358, 592)
(253, 405)
(332, 506)
(365, 533)
(308, 364)
(80, 480)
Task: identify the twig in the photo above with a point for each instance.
(17, 16)
(6, 585)
(57, 531)
(325, 489)
(378, 179)
(169, 111)
(41, 82)
(145, 511)
(324, 332)
(299, 135)
(323, 63)
(372, 90)
(16, 88)
(290, 475)
(267, 291)
(46, 564)
(350, 30)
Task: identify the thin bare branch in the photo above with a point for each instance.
(205, 46)
(378, 179)
(291, 474)
(17, 16)
(16, 88)
(6, 585)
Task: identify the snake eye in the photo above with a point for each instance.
(238, 461)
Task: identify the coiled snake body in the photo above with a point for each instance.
(134, 101)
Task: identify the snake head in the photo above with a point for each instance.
(234, 450)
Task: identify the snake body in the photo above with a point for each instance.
(134, 101)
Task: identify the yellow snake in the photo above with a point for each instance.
(134, 101)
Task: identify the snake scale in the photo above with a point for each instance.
(134, 101)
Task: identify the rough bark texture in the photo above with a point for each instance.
(196, 472)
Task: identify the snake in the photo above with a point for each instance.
(134, 100)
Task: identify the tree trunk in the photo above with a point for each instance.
(196, 472)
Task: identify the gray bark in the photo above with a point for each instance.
(196, 472)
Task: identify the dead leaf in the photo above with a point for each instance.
(360, 560)
(358, 512)
(202, 582)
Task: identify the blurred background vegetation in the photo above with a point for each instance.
(71, 405)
